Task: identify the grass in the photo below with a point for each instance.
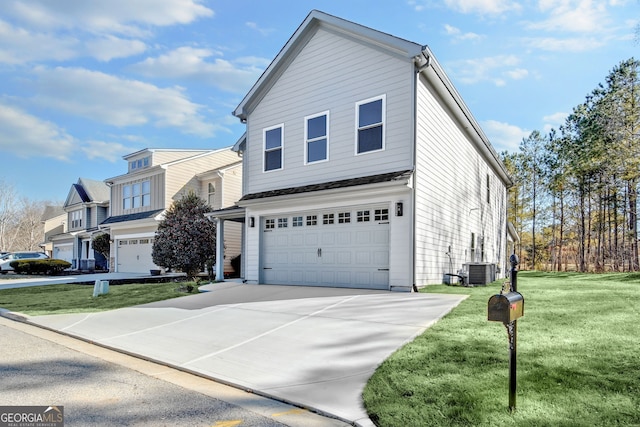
(578, 356)
(58, 299)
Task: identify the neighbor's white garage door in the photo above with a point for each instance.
(64, 252)
(134, 255)
(342, 247)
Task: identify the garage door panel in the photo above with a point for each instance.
(314, 253)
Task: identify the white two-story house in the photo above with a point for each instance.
(363, 167)
(154, 180)
(86, 206)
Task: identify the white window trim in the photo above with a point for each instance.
(383, 97)
(306, 141)
(132, 196)
(264, 148)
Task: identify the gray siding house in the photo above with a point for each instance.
(86, 206)
(363, 167)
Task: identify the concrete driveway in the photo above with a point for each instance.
(313, 347)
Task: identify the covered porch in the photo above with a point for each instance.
(236, 215)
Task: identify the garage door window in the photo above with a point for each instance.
(312, 220)
(382, 214)
(296, 221)
(283, 222)
(344, 217)
(122, 242)
(270, 224)
(364, 216)
(327, 219)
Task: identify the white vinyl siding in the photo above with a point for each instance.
(329, 74)
(451, 195)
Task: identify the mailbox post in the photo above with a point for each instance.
(508, 308)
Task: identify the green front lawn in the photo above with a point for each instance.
(58, 299)
(578, 359)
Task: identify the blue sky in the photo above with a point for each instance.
(83, 83)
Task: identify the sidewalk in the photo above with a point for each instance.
(26, 281)
(312, 347)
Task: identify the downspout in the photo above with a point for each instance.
(415, 80)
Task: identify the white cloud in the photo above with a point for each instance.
(110, 151)
(187, 62)
(517, 73)
(491, 69)
(106, 16)
(256, 27)
(458, 35)
(110, 47)
(118, 102)
(564, 45)
(19, 46)
(483, 7)
(581, 16)
(553, 121)
(503, 136)
(28, 136)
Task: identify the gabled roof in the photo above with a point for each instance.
(88, 191)
(420, 55)
(392, 44)
(343, 183)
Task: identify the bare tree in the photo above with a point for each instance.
(8, 214)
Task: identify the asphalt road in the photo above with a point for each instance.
(100, 387)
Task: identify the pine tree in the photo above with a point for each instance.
(185, 239)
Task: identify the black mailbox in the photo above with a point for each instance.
(506, 308)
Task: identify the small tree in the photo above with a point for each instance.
(101, 244)
(185, 239)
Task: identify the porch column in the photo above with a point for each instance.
(219, 249)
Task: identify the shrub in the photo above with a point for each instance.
(40, 266)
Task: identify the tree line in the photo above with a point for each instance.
(21, 227)
(575, 198)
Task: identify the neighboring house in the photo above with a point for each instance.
(53, 221)
(155, 179)
(363, 167)
(86, 206)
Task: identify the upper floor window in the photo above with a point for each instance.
(139, 163)
(316, 137)
(76, 219)
(136, 195)
(370, 125)
(273, 138)
(211, 194)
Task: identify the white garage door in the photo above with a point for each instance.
(343, 248)
(134, 255)
(64, 252)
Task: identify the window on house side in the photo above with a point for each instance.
(488, 189)
(273, 148)
(76, 219)
(136, 195)
(211, 189)
(316, 137)
(370, 125)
